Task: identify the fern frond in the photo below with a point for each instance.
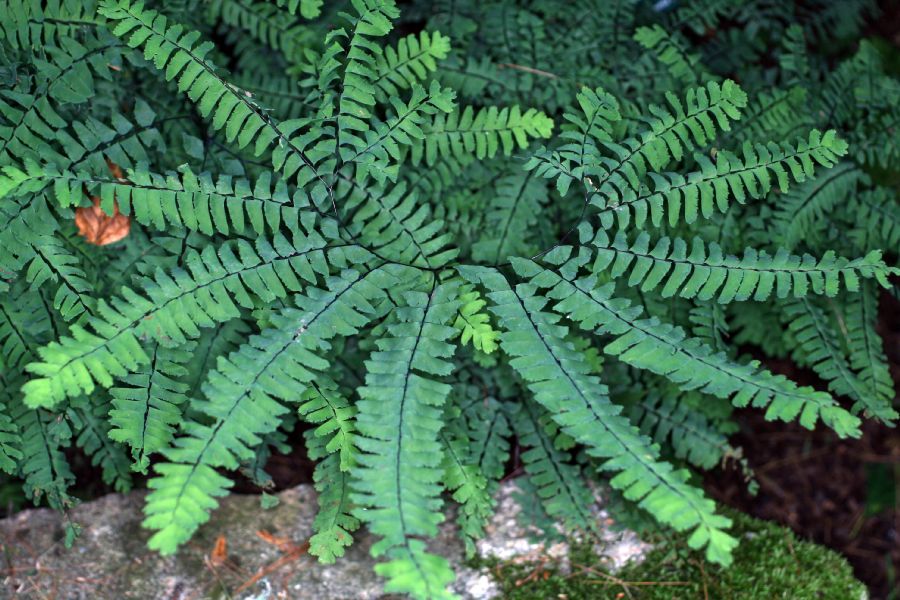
(772, 113)
(665, 349)
(308, 9)
(701, 193)
(473, 324)
(819, 347)
(29, 118)
(334, 521)
(393, 222)
(669, 420)
(704, 271)
(398, 477)
(54, 263)
(243, 401)
(515, 207)
(559, 378)
(378, 151)
(684, 66)
(702, 15)
(92, 435)
(796, 211)
(174, 308)
(324, 406)
(357, 97)
(148, 406)
(488, 432)
(43, 465)
(669, 133)
(467, 484)
(556, 480)
(32, 25)
(412, 61)
(876, 217)
(709, 324)
(482, 134)
(10, 442)
(266, 23)
(866, 347)
(17, 343)
(230, 108)
(183, 199)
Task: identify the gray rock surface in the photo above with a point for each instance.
(110, 559)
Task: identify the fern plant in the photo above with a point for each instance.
(511, 225)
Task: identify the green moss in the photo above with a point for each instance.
(770, 563)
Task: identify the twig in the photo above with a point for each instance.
(528, 70)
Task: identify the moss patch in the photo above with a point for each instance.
(770, 563)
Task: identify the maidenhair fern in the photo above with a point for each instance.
(540, 226)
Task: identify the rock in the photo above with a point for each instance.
(264, 557)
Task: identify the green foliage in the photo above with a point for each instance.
(526, 233)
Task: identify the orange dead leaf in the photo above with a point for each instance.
(282, 543)
(115, 170)
(98, 228)
(220, 552)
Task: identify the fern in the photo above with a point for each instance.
(247, 384)
(705, 273)
(559, 380)
(145, 411)
(93, 436)
(818, 347)
(10, 454)
(541, 245)
(399, 417)
(556, 481)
